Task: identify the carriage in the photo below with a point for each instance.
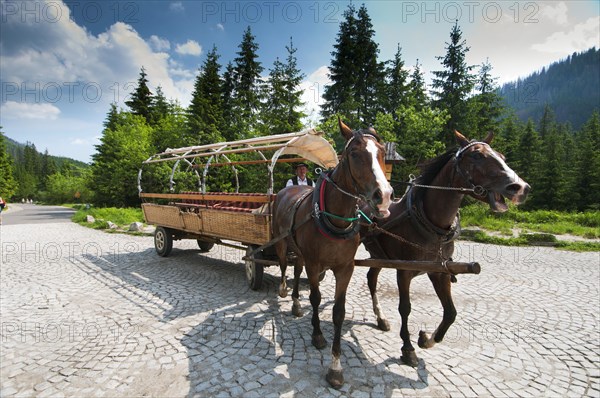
(243, 220)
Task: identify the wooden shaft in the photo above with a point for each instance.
(424, 266)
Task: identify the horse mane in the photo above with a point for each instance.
(431, 168)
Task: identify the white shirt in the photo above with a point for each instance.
(300, 182)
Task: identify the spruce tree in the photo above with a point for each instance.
(453, 84)
(369, 86)
(160, 107)
(587, 182)
(205, 113)
(228, 103)
(416, 88)
(397, 90)
(528, 155)
(142, 99)
(551, 178)
(487, 104)
(247, 85)
(357, 88)
(8, 184)
(281, 112)
(343, 72)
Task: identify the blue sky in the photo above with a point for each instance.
(63, 62)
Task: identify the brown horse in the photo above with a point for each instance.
(424, 224)
(323, 228)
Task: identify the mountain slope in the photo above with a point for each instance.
(571, 87)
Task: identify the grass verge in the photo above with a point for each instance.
(102, 215)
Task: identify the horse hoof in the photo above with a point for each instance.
(319, 341)
(297, 312)
(424, 340)
(409, 357)
(335, 378)
(383, 324)
(283, 292)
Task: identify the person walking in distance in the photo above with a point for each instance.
(2, 205)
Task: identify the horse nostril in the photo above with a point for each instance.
(513, 188)
(378, 196)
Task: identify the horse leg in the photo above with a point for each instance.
(315, 300)
(296, 307)
(382, 322)
(441, 284)
(408, 351)
(335, 375)
(281, 250)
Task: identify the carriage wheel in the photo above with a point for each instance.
(204, 245)
(254, 271)
(163, 241)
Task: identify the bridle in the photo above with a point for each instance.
(477, 190)
(322, 217)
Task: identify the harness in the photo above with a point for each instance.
(415, 213)
(322, 217)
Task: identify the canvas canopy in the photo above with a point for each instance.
(308, 144)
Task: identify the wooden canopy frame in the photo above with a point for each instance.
(307, 144)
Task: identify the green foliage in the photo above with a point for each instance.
(141, 101)
(247, 87)
(415, 132)
(205, 113)
(281, 112)
(8, 185)
(570, 86)
(119, 216)
(117, 160)
(357, 90)
(68, 188)
(452, 86)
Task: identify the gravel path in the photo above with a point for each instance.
(86, 313)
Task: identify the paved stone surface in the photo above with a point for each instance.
(86, 313)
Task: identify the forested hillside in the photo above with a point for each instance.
(571, 87)
(42, 176)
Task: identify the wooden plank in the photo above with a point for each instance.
(423, 266)
(228, 198)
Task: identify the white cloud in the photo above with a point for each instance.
(191, 47)
(312, 97)
(220, 27)
(176, 6)
(556, 13)
(79, 141)
(23, 110)
(159, 44)
(62, 53)
(582, 37)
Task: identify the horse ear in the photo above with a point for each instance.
(346, 131)
(461, 139)
(488, 139)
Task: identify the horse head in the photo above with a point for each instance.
(486, 170)
(364, 156)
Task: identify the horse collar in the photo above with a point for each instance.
(324, 225)
(421, 222)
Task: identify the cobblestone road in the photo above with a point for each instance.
(85, 313)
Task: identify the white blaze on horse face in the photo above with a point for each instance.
(382, 182)
(506, 168)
